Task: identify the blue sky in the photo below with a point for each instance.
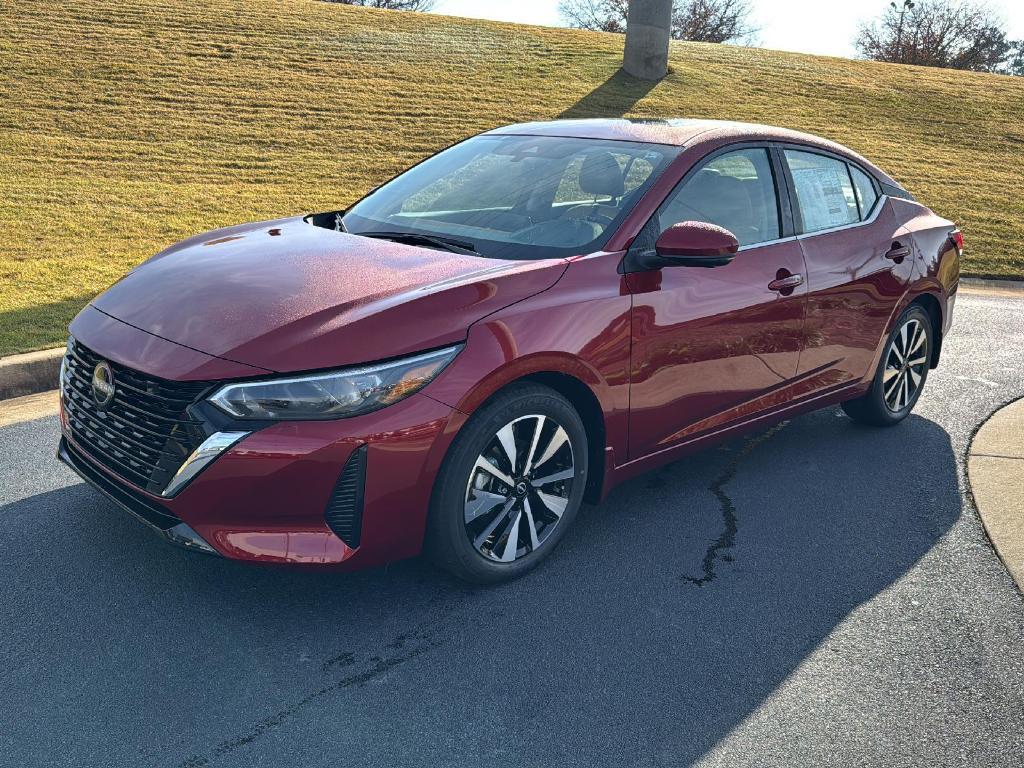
(809, 26)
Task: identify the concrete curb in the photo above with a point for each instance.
(994, 283)
(29, 373)
(995, 467)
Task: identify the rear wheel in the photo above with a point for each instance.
(901, 373)
(510, 487)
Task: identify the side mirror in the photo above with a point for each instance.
(696, 244)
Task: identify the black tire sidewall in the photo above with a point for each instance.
(446, 541)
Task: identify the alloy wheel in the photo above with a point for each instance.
(905, 365)
(519, 488)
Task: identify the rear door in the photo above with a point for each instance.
(859, 264)
(714, 346)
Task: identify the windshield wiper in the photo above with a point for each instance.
(414, 238)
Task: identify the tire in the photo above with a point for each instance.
(900, 379)
(474, 512)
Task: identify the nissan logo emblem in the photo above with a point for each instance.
(103, 384)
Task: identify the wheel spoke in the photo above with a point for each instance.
(915, 377)
(486, 533)
(917, 340)
(512, 542)
(533, 443)
(894, 386)
(903, 391)
(484, 502)
(918, 361)
(507, 439)
(554, 504)
(558, 439)
(485, 465)
(565, 474)
(889, 373)
(531, 524)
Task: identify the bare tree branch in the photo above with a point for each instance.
(938, 33)
(710, 21)
(599, 15)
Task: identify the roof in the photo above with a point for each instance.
(676, 132)
(672, 131)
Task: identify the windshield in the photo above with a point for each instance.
(516, 197)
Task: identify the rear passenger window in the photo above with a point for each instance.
(866, 195)
(735, 190)
(824, 191)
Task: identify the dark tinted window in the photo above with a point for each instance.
(735, 190)
(823, 190)
(865, 188)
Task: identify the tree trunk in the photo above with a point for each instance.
(647, 34)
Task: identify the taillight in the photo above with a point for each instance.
(958, 240)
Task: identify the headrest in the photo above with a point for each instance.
(721, 193)
(601, 175)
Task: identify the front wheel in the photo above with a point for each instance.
(901, 373)
(510, 487)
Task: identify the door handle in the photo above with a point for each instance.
(898, 252)
(786, 283)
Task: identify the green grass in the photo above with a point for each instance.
(126, 126)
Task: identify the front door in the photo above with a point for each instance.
(716, 346)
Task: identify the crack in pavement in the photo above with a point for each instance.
(727, 539)
(413, 643)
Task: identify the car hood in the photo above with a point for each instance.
(287, 296)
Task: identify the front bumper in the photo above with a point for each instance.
(153, 516)
(264, 499)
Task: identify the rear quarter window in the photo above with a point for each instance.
(865, 188)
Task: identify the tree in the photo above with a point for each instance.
(708, 21)
(1015, 60)
(395, 5)
(937, 33)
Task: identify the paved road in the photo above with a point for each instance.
(819, 594)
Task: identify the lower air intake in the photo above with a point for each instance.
(344, 513)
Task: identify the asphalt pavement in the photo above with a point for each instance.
(818, 594)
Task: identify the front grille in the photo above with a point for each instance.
(344, 513)
(145, 434)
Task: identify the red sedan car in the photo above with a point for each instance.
(508, 328)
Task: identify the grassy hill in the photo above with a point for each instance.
(126, 126)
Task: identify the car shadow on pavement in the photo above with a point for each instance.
(668, 616)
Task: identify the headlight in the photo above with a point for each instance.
(347, 392)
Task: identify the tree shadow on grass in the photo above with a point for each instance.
(613, 98)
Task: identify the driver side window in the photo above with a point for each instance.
(735, 190)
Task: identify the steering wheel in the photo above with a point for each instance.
(592, 216)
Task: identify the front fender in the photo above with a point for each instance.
(580, 328)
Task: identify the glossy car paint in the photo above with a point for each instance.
(659, 362)
(712, 345)
(287, 296)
